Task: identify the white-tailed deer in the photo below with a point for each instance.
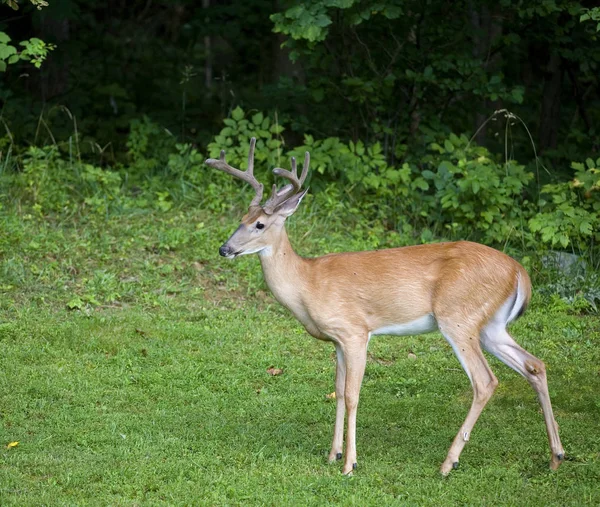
(468, 291)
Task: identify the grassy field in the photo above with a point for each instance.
(133, 371)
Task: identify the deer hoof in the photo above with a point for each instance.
(333, 457)
(448, 466)
(349, 471)
(556, 461)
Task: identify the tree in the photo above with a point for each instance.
(33, 50)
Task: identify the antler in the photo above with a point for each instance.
(247, 175)
(278, 197)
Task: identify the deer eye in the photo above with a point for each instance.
(259, 225)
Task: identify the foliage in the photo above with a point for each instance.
(34, 50)
(49, 183)
(148, 147)
(577, 290)
(570, 212)
(235, 139)
(451, 189)
(592, 14)
(428, 74)
(382, 72)
(14, 4)
(470, 193)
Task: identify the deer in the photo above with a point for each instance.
(468, 291)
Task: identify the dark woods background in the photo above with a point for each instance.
(361, 70)
(432, 120)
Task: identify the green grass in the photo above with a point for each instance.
(153, 389)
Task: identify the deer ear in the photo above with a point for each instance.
(288, 207)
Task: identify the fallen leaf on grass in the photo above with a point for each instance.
(12, 444)
(412, 356)
(330, 396)
(274, 371)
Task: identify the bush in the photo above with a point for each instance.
(454, 189)
(570, 211)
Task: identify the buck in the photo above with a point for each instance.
(467, 291)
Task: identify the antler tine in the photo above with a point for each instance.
(305, 168)
(247, 175)
(278, 197)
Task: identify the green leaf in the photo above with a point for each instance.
(318, 94)
(6, 51)
(421, 184)
(448, 146)
(75, 304)
(564, 240)
(342, 4)
(488, 216)
(586, 228)
(4, 38)
(237, 114)
(392, 12)
(517, 94)
(257, 119)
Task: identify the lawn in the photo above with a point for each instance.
(133, 371)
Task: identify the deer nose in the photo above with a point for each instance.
(224, 251)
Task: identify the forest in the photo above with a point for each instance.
(137, 366)
(436, 119)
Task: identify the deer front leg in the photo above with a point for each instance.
(340, 407)
(355, 356)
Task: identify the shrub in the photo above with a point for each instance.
(570, 211)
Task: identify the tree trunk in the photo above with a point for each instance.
(487, 28)
(208, 64)
(550, 114)
(54, 74)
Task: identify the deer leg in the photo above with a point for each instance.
(497, 341)
(355, 356)
(340, 407)
(466, 347)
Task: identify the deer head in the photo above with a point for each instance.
(262, 225)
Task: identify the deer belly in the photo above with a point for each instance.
(424, 324)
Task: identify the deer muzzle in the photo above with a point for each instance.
(226, 251)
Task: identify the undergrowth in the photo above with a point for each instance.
(452, 189)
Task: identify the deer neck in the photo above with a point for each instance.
(284, 272)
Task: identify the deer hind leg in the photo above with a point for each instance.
(464, 339)
(340, 408)
(496, 340)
